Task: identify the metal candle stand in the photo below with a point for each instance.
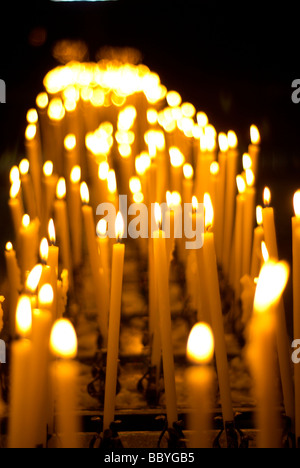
(96, 389)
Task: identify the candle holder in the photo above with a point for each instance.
(175, 436)
(151, 390)
(96, 389)
(234, 435)
(109, 440)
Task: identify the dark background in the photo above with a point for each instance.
(235, 63)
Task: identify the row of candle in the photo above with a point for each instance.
(181, 155)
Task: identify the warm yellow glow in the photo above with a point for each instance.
(201, 344)
(195, 204)
(138, 197)
(175, 200)
(177, 158)
(174, 99)
(112, 182)
(241, 184)
(14, 175)
(56, 110)
(26, 221)
(135, 185)
(255, 135)
(209, 211)
(158, 215)
(24, 167)
(44, 250)
(202, 119)
(152, 116)
(265, 252)
(70, 142)
(250, 178)
(15, 190)
(267, 196)
(32, 116)
(23, 316)
(102, 228)
(84, 193)
(30, 132)
(103, 171)
(272, 281)
(214, 168)
(51, 232)
(223, 142)
(297, 204)
(232, 140)
(188, 171)
(169, 199)
(188, 110)
(247, 162)
(75, 176)
(97, 98)
(48, 169)
(125, 150)
(61, 189)
(42, 100)
(259, 215)
(142, 163)
(34, 278)
(70, 105)
(63, 340)
(46, 296)
(127, 118)
(119, 226)
(125, 138)
(9, 247)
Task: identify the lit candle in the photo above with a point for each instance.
(249, 219)
(71, 155)
(75, 215)
(49, 183)
(53, 255)
(200, 379)
(259, 237)
(42, 102)
(29, 245)
(296, 298)
(188, 183)
(33, 150)
(21, 353)
(231, 174)
(16, 208)
(254, 148)
(262, 351)
(177, 161)
(27, 188)
(101, 292)
(64, 374)
(46, 273)
(162, 283)
(114, 325)
(14, 280)
(56, 114)
(62, 226)
(213, 292)
(281, 329)
(104, 249)
(239, 235)
(222, 159)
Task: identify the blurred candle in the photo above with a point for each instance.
(254, 148)
(199, 381)
(239, 246)
(35, 159)
(104, 249)
(75, 215)
(62, 227)
(28, 245)
(49, 183)
(249, 219)
(262, 352)
(296, 301)
(188, 183)
(53, 255)
(27, 188)
(64, 375)
(44, 254)
(16, 208)
(258, 239)
(222, 159)
(14, 280)
(114, 325)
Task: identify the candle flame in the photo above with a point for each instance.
(223, 142)
(255, 135)
(48, 169)
(42, 100)
(232, 140)
(46, 296)
(177, 158)
(56, 110)
(201, 344)
(15, 189)
(9, 247)
(14, 175)
(241, 185)
(188, 171)
(195, 204)
(26, 221)
(30, 132)
(63, 340)
(24, 167)
(75, 176)
(152, 116)
(158, 215)
(44, 250)
(188, 110)
(259, 215)
(70, 142)
(138, 198)
(250, 178)
(119, 227)
(61, 189)
(265, 252)
(112, 182)
(214, 168)
(267, 196)
(51, 232)
(271, 284)
(103, 171)
(34, 278)
(32, 116)
(85, 194)
(247, 162)
(135, 185)
(24, 316)
(297, 204)
(209, 211)
(102, 228)
(202, 119)
(173, 99)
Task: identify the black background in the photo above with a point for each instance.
(237, 63)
